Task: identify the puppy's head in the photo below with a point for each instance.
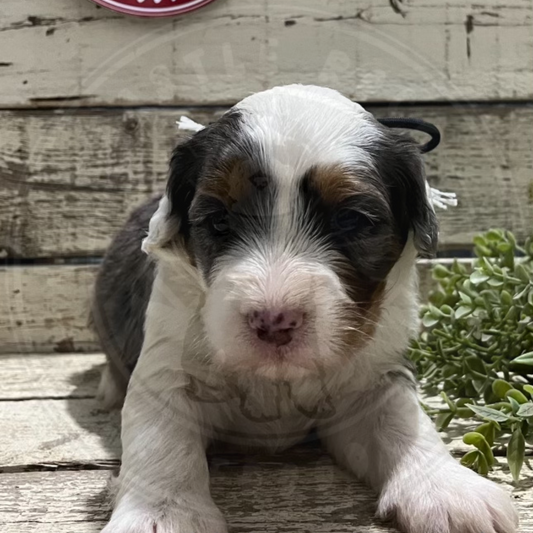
(294, 207)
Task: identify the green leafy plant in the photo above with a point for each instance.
(476, 349)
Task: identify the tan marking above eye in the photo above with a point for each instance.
(336, 183)
(231, 182)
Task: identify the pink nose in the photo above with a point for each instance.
(275, 327)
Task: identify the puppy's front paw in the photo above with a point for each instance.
(166, 520)
(453, 500)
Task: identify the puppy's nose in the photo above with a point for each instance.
(275, 326)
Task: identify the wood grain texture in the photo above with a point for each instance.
(69, 179)
(32, 376)
(45, 308)
(57, 431)
(69, 52)
(300, 493)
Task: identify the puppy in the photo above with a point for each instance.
(279, 297)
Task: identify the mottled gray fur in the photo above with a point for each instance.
(121, 295)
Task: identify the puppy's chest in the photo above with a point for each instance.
(280, 413)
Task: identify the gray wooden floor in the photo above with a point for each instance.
(58, 450)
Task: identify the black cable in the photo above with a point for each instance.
(418, 125)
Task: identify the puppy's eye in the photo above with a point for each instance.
(349, 220)
(219, 224)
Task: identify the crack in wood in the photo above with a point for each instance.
(358, 16)
(59, 99)
(96, 464)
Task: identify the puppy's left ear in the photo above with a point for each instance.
(170, 223)
(399, 162)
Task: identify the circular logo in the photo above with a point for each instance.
(153, 8)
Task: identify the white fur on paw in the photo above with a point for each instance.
(454, 500)
(136, 521)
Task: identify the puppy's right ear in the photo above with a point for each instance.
(169, 225)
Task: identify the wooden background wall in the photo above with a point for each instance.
(89, 98)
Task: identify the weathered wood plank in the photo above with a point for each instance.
(32, 376)
(72, 53)
(57, 431)
(45, 308)
(69, 179)
(300, 492)
(269, 494)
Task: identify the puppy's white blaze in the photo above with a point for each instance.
(334, 129)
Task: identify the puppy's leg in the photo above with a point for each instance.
(112, 389)
(164, 479)
(386, 438)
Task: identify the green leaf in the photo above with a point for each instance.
(475, 364)
(462, 311)
(488, 430)
(474, 439)
(440, 272)
(480, 442)
(522, 273)
(512, 314)
(524, 359)
(489, 396)
(504, 247)
(429, 321)
(500, 387)
(519, 295)
(463, 412)
(449, 371)
(450, 404)
(465, 298)
(489, 414)
(443, 421)
(480, 240)
(478, 277)
(482, 465)
(515, 453)
(458, 268)
(526, 410)
(514, 404)
(506, 297)
(529, 390)
(487, 266)
(470, 457)
(494, 235)
(446, 310)
(516, 395)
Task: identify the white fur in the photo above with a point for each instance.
(157, 229)
(199, 376)
(334, 129)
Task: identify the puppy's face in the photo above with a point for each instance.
(294, 207)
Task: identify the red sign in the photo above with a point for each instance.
(153, 8)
